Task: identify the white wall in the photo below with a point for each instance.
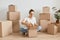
(25, 5)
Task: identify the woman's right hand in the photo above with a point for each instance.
(29, 25)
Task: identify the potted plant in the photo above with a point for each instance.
(57, 16)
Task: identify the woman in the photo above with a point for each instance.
(28, 22)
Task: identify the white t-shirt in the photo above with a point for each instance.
(29, 20)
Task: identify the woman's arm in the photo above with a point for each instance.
(35, 26)
(29, 25)
(23, 22)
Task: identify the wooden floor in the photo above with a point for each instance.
(40, 36)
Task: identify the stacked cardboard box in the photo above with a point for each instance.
(44, 20)
(44, 24)
(11, 8)
(15, 25)
(46, 9)
(5, 28)
(44, 16)
(52, 29)
(14, 17)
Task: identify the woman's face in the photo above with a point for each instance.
(31, 14)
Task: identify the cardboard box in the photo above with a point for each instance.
(5, 28)
(44, 24)
(13, 16)
(44, 16)
(11, 8)
(58, 25)
(16, 26)
(46, 9)
(52, 29)
(32, 33)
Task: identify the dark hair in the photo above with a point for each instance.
(31, 10)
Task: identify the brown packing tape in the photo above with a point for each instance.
(15, 26)
(13, 16)
(44, 16)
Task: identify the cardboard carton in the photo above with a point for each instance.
(15, 26)
(46, 9)
(52, 29)
(44, 24)
(32, 33)
(11, 8)
(58, 25)
(13, 16)
(44, 16)
(5, 28)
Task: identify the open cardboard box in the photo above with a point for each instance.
(32, 33)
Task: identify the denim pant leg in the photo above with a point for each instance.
(23, 30)
(39, 28)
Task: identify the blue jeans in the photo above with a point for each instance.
(26, 30)
(23, 30)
